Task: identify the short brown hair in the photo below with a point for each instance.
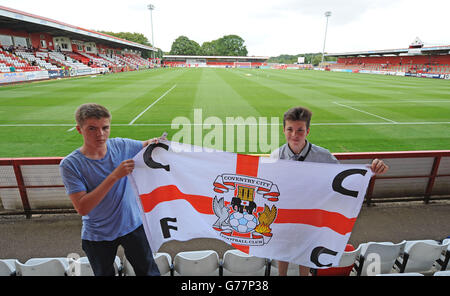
(90, 110)
(298, 114)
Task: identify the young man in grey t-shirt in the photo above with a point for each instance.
(296, 124)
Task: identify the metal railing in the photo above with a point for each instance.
(413, 176)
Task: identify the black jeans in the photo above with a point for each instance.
(101, 254)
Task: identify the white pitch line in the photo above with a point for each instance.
(140, 114)
(383, 123)
(362, 111)
(318, 124)
(237, 124)
(34, 124)
(397, 102)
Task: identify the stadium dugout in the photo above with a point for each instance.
(417, 60)
(215, 61)
(33, 47)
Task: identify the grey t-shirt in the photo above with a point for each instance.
(310, 152)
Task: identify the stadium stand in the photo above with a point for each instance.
(35, 48)
(417, 61)
(236, 263)
(12, 61)
(415, 64)
(81, 63)
(214, 61)
(42, 64)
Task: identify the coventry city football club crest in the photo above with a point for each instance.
(239, 218)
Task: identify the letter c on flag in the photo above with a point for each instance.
(337, 181)
(149, 160)
(316, 252)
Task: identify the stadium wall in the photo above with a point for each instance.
(399, 60)
(14, 77)
(214, 61)
(393, 73)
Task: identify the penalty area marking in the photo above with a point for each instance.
(235, 124)
(151, 105)
(145, 110)
(365, 112)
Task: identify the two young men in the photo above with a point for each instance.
(95, 179)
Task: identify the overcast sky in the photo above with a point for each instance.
(269, 28)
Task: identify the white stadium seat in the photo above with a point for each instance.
(43, 267)
(7, 267)
(443, 262)
(442, 273)
(292, 269)
(196, 263)
(420, 255)
(401, 274)
(163, 260)
(82, 267)
(238, 263)
(384, 253)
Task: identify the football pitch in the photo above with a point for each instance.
(351, 112)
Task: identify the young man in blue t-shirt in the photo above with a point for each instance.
(95, 178)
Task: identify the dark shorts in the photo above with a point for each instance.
(101, 254)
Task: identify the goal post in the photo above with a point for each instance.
(242, 64)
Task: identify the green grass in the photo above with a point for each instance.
(351, 112)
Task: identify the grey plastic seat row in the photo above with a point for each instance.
(372, 258)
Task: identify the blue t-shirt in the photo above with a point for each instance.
(118, 213)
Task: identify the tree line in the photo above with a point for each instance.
(310, 58)
(228, 45)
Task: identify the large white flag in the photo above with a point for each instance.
(299, 212)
